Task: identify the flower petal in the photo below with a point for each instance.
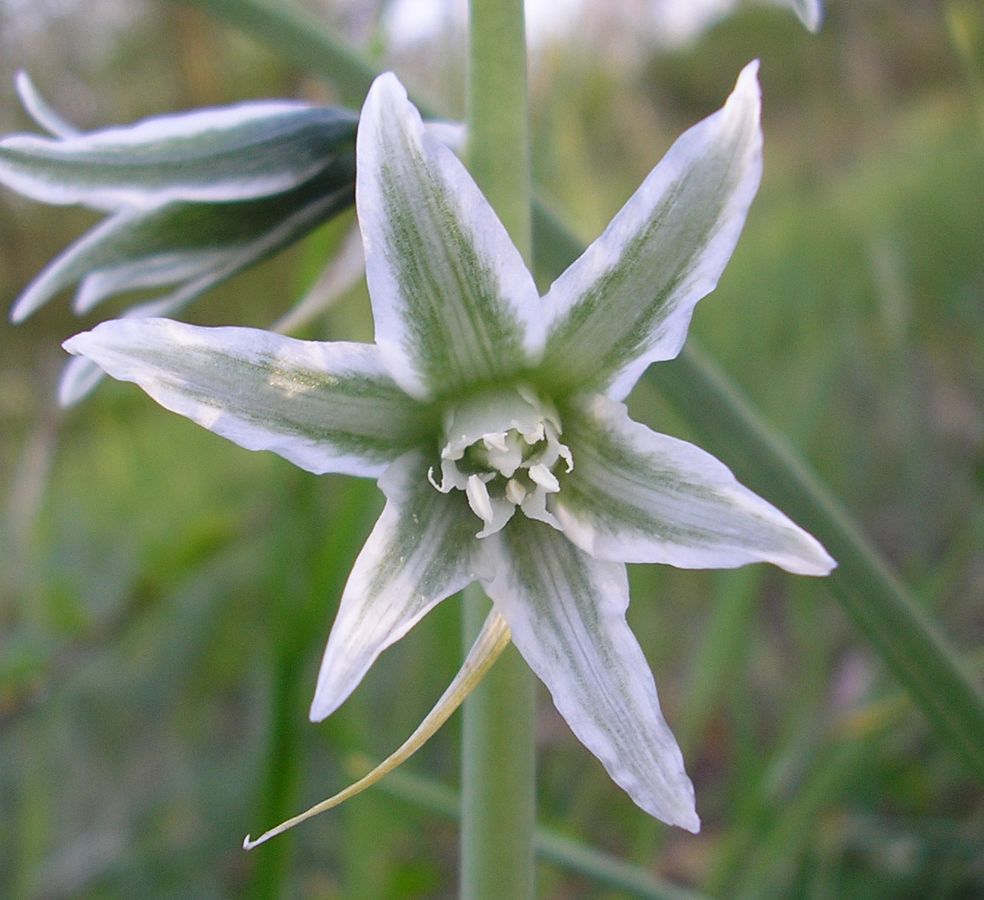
(39, 109)
(567, 615)
(420, 552)
(638, 496)
(452, 300)
(810, 12)
(327, 407)
(214, 155)
(184, 242)
(80, 375)
(627, 301)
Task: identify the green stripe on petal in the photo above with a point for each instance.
(567, 615)
(327, 407)
(212, 155)
(453, 302)
(638, 496)
(420, 552)
(627, 301)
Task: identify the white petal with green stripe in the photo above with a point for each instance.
(566, 611)
(214, 155)
(80, 375)
(638, 496)
(181, 242)
(420, 552)
(453, 303)
(627, 301)
(325, 407)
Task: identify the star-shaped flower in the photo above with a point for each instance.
(492, 419)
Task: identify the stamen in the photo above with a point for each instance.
(501, 448)
(545, 478)
(496, 441)
(478, 498)
(515, 492)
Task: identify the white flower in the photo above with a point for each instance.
(492, 419)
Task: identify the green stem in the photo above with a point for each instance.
(553, 846)
(498, 764)
(498, 127)
(498, 804)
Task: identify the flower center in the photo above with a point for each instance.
(502, 447)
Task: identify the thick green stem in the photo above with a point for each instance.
(498, 765)
(498, 124)
(498, 805)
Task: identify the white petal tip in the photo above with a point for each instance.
(327, 698)
(691, 824)
(748, 82)
(76, 344)
(387, 89)
(813, 560)
(822, 567)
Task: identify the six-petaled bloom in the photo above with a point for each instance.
(492, 418)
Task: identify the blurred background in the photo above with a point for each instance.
(165, 596)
